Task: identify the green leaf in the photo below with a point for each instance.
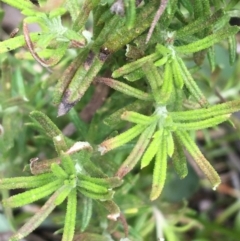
(101, 196)
(198, 125)
(87, 212)
(6, 75)
(70, 218)
(128, 68)
(137, 118)
(90, 237)
(80, 83)
(232, 42)
(72, 6)
(38, 218)
(212, 58)
(161, 49)
(80, 125)
(135, 75)
(177, 74)
(115, 118)
(179, 159)
(112, 208)
(208, 41)
(67, 76)
(92, 187)
(191, 84)
(58, 171)
(170, 143)
(121, 139)
(125, 89)
(160, 169)
(137, 151)
(154, 79)
(199, 24)
(161, 61)
(204, 113)
(25, 182)
(201, 161)
(68, 164)
(49, 127)
(152, 148)
(67, 188)
(130, 14)
(109, 182)
(20, 4)
(32, 195)
(167, 87)
(14, 43)
(57, 12)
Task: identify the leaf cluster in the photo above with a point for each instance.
(152, 82)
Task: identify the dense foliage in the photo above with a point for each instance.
(118, 89)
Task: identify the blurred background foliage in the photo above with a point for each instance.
(188, 209)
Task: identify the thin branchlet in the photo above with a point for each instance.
(159, 13)
(30, 46)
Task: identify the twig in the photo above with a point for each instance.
(31, 48)
(159, 13)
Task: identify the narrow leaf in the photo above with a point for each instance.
(204, 113)
(154, 79)
(161, 61)
(179, 159)
(131, 14)
(161, 49)
(32, 195)
(177, 74)
(50, 128)
(67, 76)
(170, 143)
(13, 43)
(60, 144)
(101, 196)
(70, 218)
(160, 169)
(80, 83)
(125, 89)
(25, 182)
(198, 125)
(137, 151)
(201, 161)
(152, 149)
(19, 4)
(109, 182)
(137, 118)
(167, 87)
(58, 171)
(68, 164)
(112, 208)
(38, 218)
(191, 84)
(67, 188)
(120, 139)
(87, 212)
(199, 24)
(208, 41)
(92, 187)
(135, 75)
(212, 58)
(126, 69)
(6, 76)
(232, 42)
